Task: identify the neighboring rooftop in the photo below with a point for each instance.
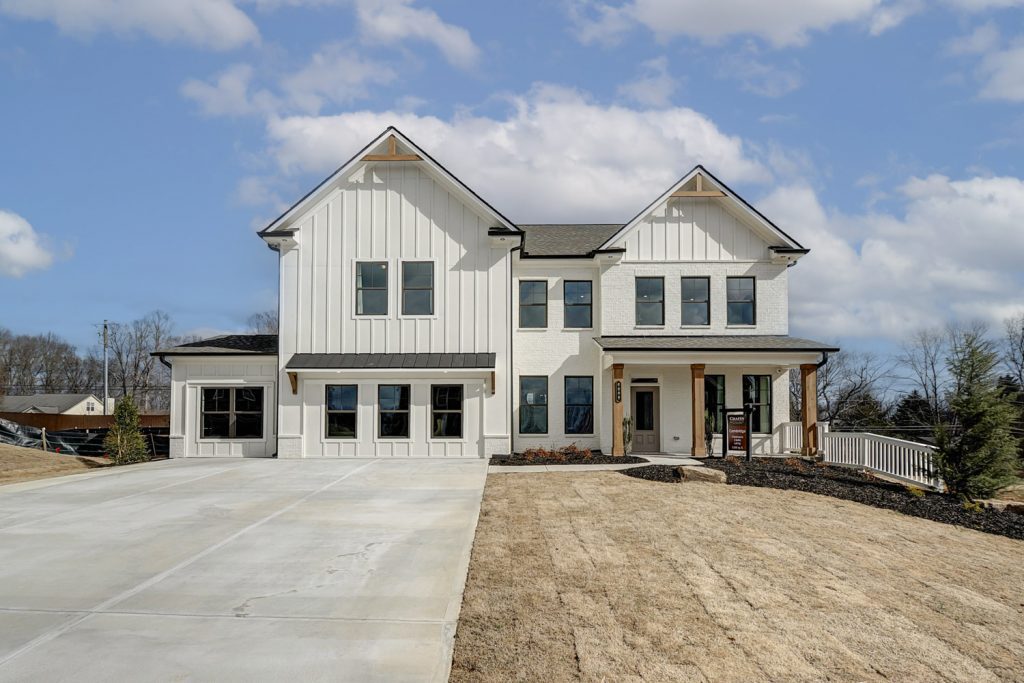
(54, 404)
(566, 239)
(722, 342)
(228, 345)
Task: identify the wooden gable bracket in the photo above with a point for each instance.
(293, 379)
(699, 191)
(392, 154)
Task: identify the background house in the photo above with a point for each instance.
(56, 404)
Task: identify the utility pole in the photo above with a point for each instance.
(106, 386)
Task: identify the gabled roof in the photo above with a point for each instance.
(43, 403)
(786, 242)
(379, 143)
(568, 240)
(226, 345)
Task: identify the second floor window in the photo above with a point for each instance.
(372, 288)
(418, 288)
(533, 303)
(650, 301)
(578, 303)
(740, 303)
(696, 301)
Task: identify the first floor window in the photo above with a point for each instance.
(393, 410)
(341, 410)
(650, 301)
(372, 288)
(696, 301)
(446, 411)
(533, 405)
(757, 391)
(579, 405)
(232, 412)
(714, 402)
(418, 288)
(740, 301)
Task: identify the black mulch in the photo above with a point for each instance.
(597, 458)
(850, 484)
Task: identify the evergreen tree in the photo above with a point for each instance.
(977, 451)
(912, 417)
(124, 442)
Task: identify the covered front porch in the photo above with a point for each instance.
(668, 394)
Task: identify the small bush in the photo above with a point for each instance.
(124, 442)
(796, 463)
(915, 491)
(572, 451)
(973, 506)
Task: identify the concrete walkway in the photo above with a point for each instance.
(666, 459)
(236, 570)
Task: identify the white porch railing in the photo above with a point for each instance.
(904, 460)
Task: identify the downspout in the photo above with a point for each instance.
(163, 359)
(824, 359)
(511, 337)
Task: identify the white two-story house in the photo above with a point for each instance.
(417, 320)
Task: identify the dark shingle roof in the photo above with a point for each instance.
(566, 239)
(370, 361)
(228, 344)
(734, 342)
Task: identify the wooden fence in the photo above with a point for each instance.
(56, 423)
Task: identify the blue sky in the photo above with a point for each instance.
(143, 143)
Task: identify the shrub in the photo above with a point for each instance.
(124, 442)
(915, 491)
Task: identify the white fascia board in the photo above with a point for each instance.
(774, 358)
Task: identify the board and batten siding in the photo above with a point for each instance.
(693, 229)
(393, 212)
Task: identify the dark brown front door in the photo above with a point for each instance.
(645, 420)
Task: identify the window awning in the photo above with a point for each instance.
(391, 361)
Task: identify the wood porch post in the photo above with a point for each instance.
(699, 448)
(809, 408)
(618, 444)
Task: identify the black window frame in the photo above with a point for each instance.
(637, 301)
(359, 287)
(531, 305)
(589, 306)
(683, 302)
(718, 416)
(567, 405)
(328, 411)
(434, 411)
(523, 403)
(407, 410)
(406, 288)
(757, 414)
(232, 413)
(753, 301)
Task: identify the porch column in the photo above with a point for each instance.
(618, 444)
(809, 408)
(697, 401)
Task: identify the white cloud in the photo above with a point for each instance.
(954, 252)
(229, 93)
(982, 39)
(216, 24)
(556, 155)
(653, 87)
(392, 21)
(758, 77)
(1003, 74)
(21, 248)
(335, 75)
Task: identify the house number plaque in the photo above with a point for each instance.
(618, 392)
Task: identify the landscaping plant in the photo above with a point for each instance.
(124, 442)
(977, 451)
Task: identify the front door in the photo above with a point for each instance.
(645, 420)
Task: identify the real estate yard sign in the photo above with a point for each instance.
(737, 434)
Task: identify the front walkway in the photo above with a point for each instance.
(653, 459)
(228, 569)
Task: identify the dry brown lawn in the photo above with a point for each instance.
(22, 464)
(601, 577)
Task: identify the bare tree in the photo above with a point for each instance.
(1013, 347)
(850, 387)
(924, 357)
(134, 371)
(264, 322)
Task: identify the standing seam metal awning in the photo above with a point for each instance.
(391, 361)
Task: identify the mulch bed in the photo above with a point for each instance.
(598, 458)
(850, 484)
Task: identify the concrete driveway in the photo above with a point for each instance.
(228, 569)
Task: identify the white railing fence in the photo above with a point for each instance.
(904, 460)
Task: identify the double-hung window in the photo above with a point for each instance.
(757, 390)
(696, 301)
(714, 402)
(342, 402)
(650, 301)
(232, 413)
(740, 301)
(578, 296)
(418, 288)
(533, 405)
(579, 405)
(393, 411)
(372, 288)
(533, 303)
(446, 411)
